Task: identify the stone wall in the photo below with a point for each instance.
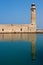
(17, 28)
(32, 28)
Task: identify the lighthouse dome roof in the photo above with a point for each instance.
(33, 4)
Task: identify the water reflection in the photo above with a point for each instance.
(24, 37)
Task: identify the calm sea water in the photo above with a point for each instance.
(21, 49)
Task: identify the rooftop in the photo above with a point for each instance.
(33, 4)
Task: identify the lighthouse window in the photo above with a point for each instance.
(31, 24)
(32, 10)
(2, 29)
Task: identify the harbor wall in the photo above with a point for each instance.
(8, 28)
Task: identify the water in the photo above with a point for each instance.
(21, 49)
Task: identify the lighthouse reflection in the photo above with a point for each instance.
(22, 37)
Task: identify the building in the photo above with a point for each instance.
(8, 28)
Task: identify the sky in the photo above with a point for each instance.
(19, 12)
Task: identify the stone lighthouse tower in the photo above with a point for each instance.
(33, 13)
(33, 16)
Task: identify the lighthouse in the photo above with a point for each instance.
(33, 13)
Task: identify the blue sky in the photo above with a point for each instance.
(18, 12)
